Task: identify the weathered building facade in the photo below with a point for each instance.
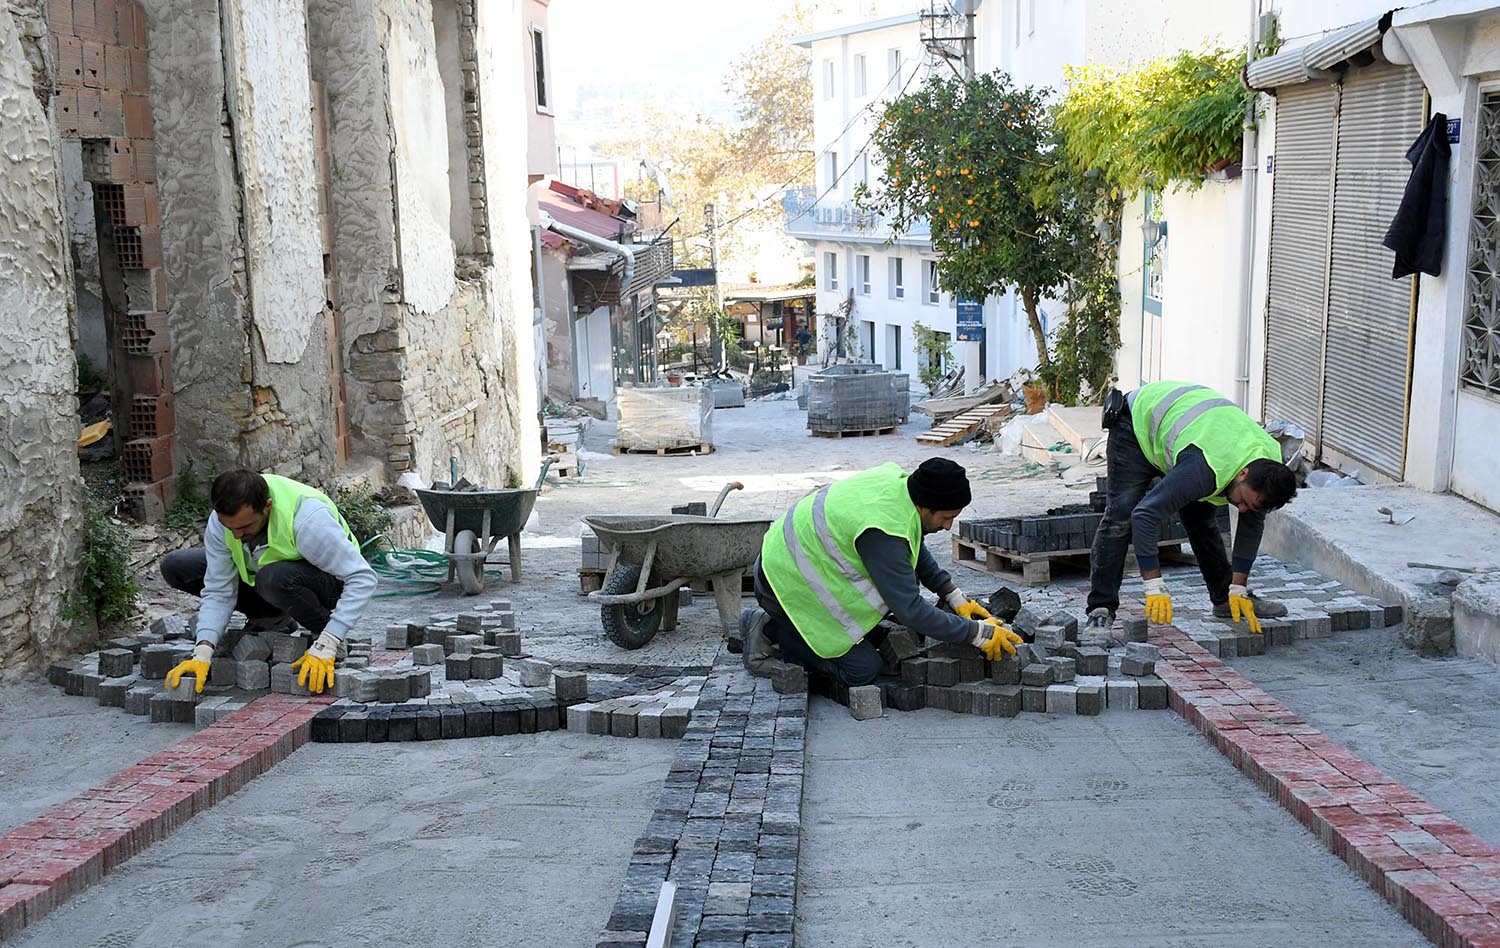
(309, 251)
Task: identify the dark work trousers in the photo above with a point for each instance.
(293, 588)
(1130, 477)
(858, 666)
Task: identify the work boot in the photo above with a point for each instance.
(1100, 620)
(1264, 608)
(756, 650)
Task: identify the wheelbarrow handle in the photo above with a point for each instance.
(724, 492)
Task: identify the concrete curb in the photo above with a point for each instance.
(1440, 876)
(48, 860)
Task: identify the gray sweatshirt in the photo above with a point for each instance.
(322, 543)
(1190, 479)
(888, 561)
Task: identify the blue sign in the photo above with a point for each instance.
(970, 320)
(1454, 126)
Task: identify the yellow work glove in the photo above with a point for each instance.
(197, 666)
(315, 667)
(1158, 602)
(966, 607)
(1242, 607)
(995, 640)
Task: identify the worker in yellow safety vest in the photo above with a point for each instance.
(850, 554)
(1179, 449)
(279, 552)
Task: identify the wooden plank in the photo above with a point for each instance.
(853, 432)
(1035, 569)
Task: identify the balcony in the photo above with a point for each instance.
(810, 219)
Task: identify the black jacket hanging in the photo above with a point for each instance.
(1416, 234)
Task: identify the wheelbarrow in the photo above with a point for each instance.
(473, 523)
(650, 557)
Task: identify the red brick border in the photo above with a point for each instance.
(45, 862)
(1443, 878)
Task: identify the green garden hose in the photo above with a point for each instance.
(415, 572)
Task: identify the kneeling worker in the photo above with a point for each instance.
(274, 549)
(1208, 453)
(849, 554)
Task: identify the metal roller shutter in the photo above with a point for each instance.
(1298, 291)
(1369, 314)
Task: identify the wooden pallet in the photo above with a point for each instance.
(853, 432)
(1035, 569)
(962, 425)
(685, 450)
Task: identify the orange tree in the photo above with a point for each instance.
(982, 161)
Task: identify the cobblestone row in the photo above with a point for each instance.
(727, 825)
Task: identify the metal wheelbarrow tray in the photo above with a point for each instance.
(652, 555)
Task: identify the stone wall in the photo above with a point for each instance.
(39, 508)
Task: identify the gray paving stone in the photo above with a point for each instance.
(427, 655)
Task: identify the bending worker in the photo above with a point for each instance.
(1208, 454)
(846, 556)
(279, 552)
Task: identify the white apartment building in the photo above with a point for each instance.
(858, 63)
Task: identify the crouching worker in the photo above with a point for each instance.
(850, 554)
(279, 552)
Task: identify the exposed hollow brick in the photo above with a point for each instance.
(150, 374)
(116, 68)
(68, 64)
(112, 113)
(65, 113)
(152, 416)
(149, 502)
(148, 460)
(92, 74)
(88, 114)
(60, 16)
(143, 333)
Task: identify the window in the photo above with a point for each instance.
(863, 264)
(831, 161)
(862, 168)
(539, 66)
(934, 355)
(893, 64)
(830, 271)
(1479, 361)
(827, 78)
(1017, 31)
(859, 74)
(898, 280)
(929, 282)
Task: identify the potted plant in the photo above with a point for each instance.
(1034, 390)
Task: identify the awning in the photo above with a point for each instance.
(1316, 59)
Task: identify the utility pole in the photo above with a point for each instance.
(711, 219)
(968, 39)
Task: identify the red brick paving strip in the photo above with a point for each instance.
(1443, 878)
(45, 862)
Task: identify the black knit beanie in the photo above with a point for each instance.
(939, 484)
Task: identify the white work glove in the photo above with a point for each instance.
(315, 667)
(964, 606)
(1158, 601)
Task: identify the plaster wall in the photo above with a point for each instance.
(83, 238)
(514, 400)
(541, 128)
(39, 512)
(346, 56)
(1199, 282)
(416, 99)
(272, 113)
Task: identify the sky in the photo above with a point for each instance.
(677, 51)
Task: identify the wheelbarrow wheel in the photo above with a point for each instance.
(632, 624)
(470, 572)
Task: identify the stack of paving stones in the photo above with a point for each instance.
(129, 672)
(1060, 529)
(726, 825)
(1317, 607)
(1056, 671)
(662, 713)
